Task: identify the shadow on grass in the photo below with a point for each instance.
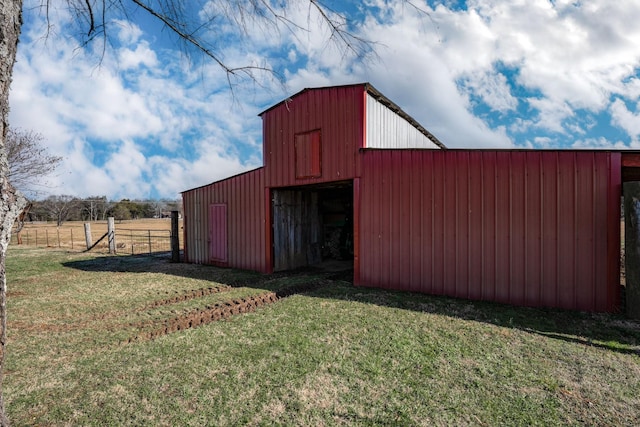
(603, 330)
(609, 331)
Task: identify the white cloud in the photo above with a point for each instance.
(128, 33)
(627, 120)
(142, 55)
(631, 88)
(542, 142)
(551, 115)
(212, 164)
(574, 53)
(605, 144)
(494, 90)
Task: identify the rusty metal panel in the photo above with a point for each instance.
(246, 221)
(534, 228)
(338, 112)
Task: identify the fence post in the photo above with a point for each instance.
(149, 234)
(46, 235)
(111, 234)
(71, 229)
(58, 234)
(87, 234)
(175, 240)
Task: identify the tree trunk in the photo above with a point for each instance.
(11, 201)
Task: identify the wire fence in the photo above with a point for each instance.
(128, 241)
(142, 241)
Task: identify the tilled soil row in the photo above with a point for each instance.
(188, 295)
(218, 311)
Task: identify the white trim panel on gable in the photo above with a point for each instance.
(386, 129)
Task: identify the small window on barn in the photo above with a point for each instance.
(308, 155)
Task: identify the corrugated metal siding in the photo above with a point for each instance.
(386, 129)
(244, 196)
(337, 112)
(536, 228)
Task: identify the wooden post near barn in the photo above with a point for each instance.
(175, 240)
(111, 234)
(87, 234)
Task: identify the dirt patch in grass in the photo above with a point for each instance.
(201, 316)
(15, 294)
(188, 295)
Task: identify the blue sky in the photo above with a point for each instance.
(143, 121)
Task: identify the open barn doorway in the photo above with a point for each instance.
(313, 226)
(630, 235)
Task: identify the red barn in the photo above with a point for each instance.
(347, 174)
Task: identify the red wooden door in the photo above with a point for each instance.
(218, 232)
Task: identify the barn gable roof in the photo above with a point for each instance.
(378, 96)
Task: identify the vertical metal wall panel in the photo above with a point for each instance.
(549, 220)
(475, 225)
(533, 228)
(566, 229)
(502, 212)
(488, 184)
(437, 224)
(386, 129)
(338, 112)
(520, 227)
(613, 223)
(244, 197)
(415, 230)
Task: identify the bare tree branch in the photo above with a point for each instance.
(92, 23)
(339, 30)
(205, 26)
(29, 161)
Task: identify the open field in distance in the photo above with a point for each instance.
(70, 235)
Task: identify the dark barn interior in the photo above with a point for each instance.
(312, 224)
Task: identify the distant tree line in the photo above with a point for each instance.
(61, 208)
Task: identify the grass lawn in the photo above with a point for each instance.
(105, 341)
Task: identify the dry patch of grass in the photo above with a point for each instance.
(334, 355)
